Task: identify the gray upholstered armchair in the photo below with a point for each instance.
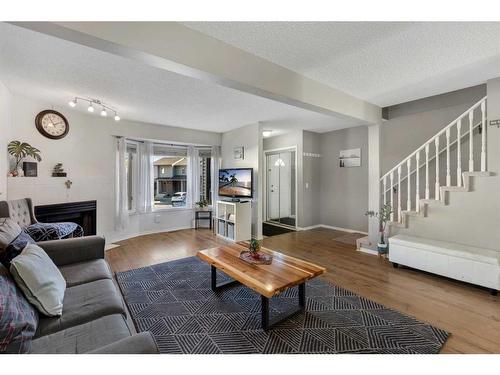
(21, 211)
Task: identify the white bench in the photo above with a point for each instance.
(465, 263)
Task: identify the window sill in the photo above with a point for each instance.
(167, 209)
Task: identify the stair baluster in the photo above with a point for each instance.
(399, 194)
(436, 192)
(417, 179)
(459, 152)
(471, 141)
(408, 185)
(427, 191)
(385, 190)
(391, 176)
(448, 172)
(483, 136)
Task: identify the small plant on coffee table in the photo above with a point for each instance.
(254, 248)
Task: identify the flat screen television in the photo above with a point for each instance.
(235, 182)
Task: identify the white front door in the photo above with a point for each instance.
(273, 188)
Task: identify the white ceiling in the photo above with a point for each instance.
(55, 70)
(383, 63)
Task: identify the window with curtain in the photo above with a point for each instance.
(131, 171)
(170, 180)
(177, 176)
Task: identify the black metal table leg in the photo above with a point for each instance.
(214, 285)
(266, 324)
(265, 312)
(302, 295)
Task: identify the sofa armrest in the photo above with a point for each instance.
(74, 250)
(141, 343)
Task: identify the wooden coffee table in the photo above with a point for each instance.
(267, 280)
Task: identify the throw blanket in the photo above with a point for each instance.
(53, 231)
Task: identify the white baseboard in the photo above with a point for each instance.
(332, 227)
(367, 250)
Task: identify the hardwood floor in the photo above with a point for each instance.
(470, 313)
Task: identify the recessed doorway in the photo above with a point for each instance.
(281, 187)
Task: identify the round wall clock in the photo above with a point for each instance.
(52, 124)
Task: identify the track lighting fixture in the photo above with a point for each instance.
(91, 108)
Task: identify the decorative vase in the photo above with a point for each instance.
(382, 248)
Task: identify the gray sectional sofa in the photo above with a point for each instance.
(94, 318)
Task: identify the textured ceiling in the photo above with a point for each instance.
(54, 70)
(383, 63)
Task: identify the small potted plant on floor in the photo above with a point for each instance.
(20, 150)
(383, 217)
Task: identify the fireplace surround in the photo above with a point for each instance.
(82, 213)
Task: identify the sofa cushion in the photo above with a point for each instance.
(18, 318)
(9, 230)
(15, 248)
(84, 303)
(141, 343)
(39, 279)
(83, 338)
(85, 272)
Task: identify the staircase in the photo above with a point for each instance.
(443, 164)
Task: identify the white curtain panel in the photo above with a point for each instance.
(215, 166)
(193, 177)
(146, 177)
(122, 217)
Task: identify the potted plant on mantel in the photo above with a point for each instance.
(383, 217)
(20, 150)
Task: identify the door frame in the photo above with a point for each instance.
(264, 201)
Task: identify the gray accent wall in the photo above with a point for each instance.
(344, 191)
(412, 124)
(327, 194)
(312, 201)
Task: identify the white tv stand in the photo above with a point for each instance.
(233, 220)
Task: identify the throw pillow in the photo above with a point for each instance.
(14, 248)
(9, 230)
(39, 279)
(18, 318)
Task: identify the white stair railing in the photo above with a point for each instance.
(407, 162)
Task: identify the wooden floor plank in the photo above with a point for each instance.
(468, 312)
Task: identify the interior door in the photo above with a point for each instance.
(280, 189)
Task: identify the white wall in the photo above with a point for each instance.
(250, 137)
(5, 115)
(88, 154)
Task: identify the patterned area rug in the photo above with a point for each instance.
(174, 301)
